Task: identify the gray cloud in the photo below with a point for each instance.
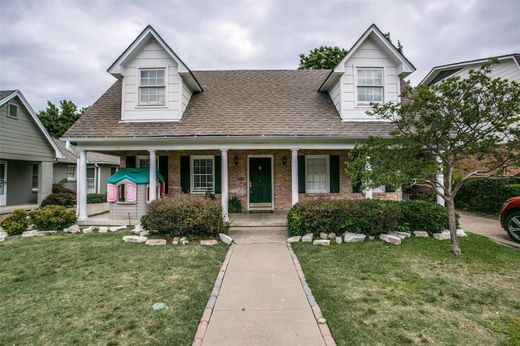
(53, 50)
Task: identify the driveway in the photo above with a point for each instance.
(261, 301)
(485, 226)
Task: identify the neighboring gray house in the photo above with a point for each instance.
(27, 153)
(99, 168)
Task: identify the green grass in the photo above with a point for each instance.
(93, 289)
(374, 293)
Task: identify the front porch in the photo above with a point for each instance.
(261, 177)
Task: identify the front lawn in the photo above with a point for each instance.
(92, 289)
(373, 293)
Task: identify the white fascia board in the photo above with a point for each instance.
(116, 68)
(435, 71)
(404, 65)
(35, 118)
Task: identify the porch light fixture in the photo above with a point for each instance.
(235, 160)
(284, 160)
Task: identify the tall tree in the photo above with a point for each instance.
(437, 128)
(399, 45)
(57, 120)
(324, 57)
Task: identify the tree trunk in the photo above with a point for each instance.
(453, 227)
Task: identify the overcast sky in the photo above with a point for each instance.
(54, 50)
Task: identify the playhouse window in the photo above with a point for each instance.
(121, 193)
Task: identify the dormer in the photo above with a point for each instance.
(371, 72)
(156, 84)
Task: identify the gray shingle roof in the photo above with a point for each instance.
(237, 103)
(5, 93)
(92, 157)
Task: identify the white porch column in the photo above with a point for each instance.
(78, 173)
(224, 184)
(294, 176)
(152, 176)
(440, 180)
(82, 186)
(368, 192)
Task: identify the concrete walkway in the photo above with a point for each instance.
(261, 301)
(486, 227)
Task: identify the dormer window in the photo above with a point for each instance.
(151, 87)
(369, 85)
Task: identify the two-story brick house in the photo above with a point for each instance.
(270, 137)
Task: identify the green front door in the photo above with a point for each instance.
(260, 182)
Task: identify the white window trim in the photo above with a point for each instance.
(192, 175)
(141, 157)
(365, 104)
(139, 86)
(327, 188)
(75, 169)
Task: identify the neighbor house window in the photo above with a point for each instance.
(151, 87)
(35, 176)
(317, 174)
(71, 173)
(203, 174)
(369, 85)
(13, 110)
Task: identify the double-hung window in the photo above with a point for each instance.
(152, 87)
(317, 174)
(369, 85)
(203, 174)
(71, 173)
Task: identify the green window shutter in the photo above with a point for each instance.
(334, 173)
(130, 161)
(218, 179)
(185, 174)
(301, 174)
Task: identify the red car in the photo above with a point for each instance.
(510, 217)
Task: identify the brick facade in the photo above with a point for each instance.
(238, 184)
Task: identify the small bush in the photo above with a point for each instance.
(370, 217)
(183, 217)
(234, 205)
(487, 195)
(52, 217)
(423, 216)
(96, 198)
(15, 222)
(60, 196)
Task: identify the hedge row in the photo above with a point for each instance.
(370, 217)
(48, 218)
(487, 195)
(183, 217)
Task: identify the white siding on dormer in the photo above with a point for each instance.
(186, 95)
(335, 95)
(370, 55)
(152, 55)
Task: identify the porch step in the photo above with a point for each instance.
(258, 234)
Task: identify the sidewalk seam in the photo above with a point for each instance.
(210, 305)
(316, 311)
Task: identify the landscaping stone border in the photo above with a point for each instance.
(210, 305)
(316, 311)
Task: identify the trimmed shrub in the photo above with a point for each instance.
(370, 217)
(183, 217)
(234, 205)
(15, 222)
(486, 195)
(52, 217)
(96, 198)
(60, 196)
(423, 216)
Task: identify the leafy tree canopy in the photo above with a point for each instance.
(438, 127)
(57, 120)
(324, 57)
